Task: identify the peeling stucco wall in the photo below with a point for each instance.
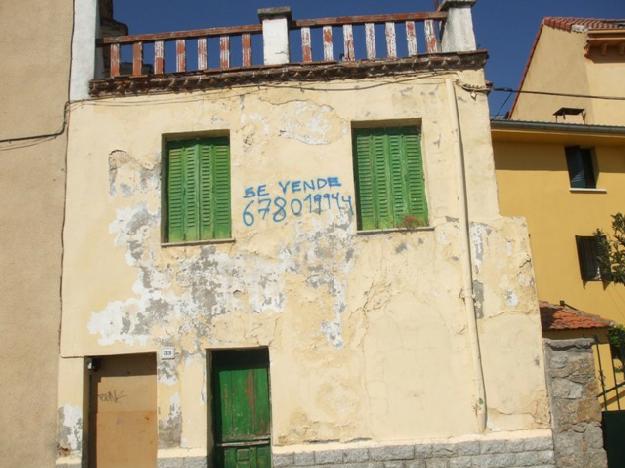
(367, 333)
(70, 430)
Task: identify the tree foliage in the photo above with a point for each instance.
(611, 250)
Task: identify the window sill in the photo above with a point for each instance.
(587, 190)
(393, 230)
(198, 242)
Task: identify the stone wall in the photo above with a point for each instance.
(575, 412)
(484, 452)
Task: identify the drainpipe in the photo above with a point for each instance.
(467, 266)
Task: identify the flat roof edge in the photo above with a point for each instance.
(550, 127)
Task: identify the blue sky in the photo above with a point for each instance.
(505, 27)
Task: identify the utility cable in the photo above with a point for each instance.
(551, 93)
(41, 137)
(103, 101)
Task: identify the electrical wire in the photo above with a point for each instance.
(503, 104)
(551, 93)
(105, 101)
(42, 137)
(217, 93)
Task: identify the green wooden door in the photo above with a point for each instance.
(241, 409)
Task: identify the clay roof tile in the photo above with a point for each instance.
(558, 317)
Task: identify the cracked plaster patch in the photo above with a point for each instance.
(170, 429)
(207, 281)
(70, 428)
(178, 298)
(128, 175)
(311, 123)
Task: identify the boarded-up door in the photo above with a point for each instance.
(122, 412)
(241, 409)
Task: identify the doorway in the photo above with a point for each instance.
(122, 411)
(241, 408)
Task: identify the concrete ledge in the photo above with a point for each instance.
(275, 12)
(447, 4)
(563, 345)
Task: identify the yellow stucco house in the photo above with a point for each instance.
(560, 163)
(300, 255)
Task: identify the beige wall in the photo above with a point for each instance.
(559, 65)
(534, 182)
(605, 78)
(35, 51)
(35, 55)
(367, 334)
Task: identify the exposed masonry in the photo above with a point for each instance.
(576, 415)
(530, 452)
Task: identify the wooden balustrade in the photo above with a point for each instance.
(181, 38)
(431, 22)
(431, 25)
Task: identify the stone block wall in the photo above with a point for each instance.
(483, 453)
(575, 411)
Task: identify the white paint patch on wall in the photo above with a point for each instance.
(111, 324)
(477, 234)
(70, 428)
(328, 260)
(311, 123)
(512, 300)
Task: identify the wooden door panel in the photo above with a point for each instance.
(242, 412)
(122, 413)
(126, 439)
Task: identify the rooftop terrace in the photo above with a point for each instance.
(279, 48)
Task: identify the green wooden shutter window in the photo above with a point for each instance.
(175, 193)
(198, 190)
(389, 178)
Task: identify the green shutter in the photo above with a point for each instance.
(382, 193)
(191, 184)
(221, 171)
(175, 193)
(397, 170)
(364, 181)
(198, 190)
(389, 173)
(207, 187)
(417, 205)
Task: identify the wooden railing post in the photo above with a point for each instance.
(458, 35)
(276, 23)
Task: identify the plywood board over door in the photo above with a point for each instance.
(122, 412)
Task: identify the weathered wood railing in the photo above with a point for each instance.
(181, 38)
(347, 23)
(431, 24)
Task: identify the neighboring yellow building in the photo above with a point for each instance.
(534, 182)
(560, 163)
(575, 56)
